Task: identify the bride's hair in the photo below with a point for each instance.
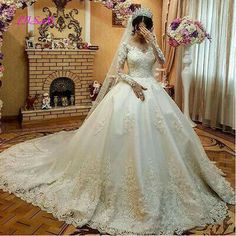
(148, 22)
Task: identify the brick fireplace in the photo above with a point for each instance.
(60, 72)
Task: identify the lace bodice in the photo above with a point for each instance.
(140, 64)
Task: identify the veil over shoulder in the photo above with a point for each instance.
(111, 78)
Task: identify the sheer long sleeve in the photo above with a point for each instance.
(157, 51)
(122, 56)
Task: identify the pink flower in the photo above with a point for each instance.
(173, 42)
(109, 4)
(187, 32)
(186, 40)
(184, 32)
(199, 24)
(1, 68)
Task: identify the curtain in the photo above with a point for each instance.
(212, 94)
(171, 10)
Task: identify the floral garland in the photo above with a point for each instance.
(121, 7)
(184, 31)
(8, 9)
(7, 13)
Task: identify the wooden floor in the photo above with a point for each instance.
(18, 217)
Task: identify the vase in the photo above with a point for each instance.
(55, 100)
(72, 100)
(186, 81)
(64, 101)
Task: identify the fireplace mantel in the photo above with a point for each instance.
(59, 50)
(46, 65)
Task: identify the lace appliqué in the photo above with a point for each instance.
(99, 127)
(158, 50)
(122, 56)
(159, 121)
(176, 123)
(134, 207)
(129, 122)
(160, 54)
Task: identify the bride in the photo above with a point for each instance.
(134, 166)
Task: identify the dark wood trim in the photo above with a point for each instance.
(10, 118)
(217, 132)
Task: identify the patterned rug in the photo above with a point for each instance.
(18, 217)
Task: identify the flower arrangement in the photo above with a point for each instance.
(24, 3)
(184, 31)
(123, 10)
(121, 7)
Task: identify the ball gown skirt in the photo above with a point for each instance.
(133, 167)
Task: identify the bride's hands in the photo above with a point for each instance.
(150, 38)
(148, 35)
(138, 90)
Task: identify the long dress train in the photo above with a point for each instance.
(132, 167)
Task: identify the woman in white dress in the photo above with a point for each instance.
(134, 166)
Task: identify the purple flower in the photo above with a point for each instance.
(2, 7)
(174, 25)
(194, 34)
(208, 37)
(1, 56)
(184, 32)
(2, 26)
(10, 13)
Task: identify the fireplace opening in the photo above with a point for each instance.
(62, 92)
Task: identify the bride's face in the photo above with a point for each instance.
(138, 32)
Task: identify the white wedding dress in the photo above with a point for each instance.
(133, 166)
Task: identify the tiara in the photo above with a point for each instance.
(142, 12)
